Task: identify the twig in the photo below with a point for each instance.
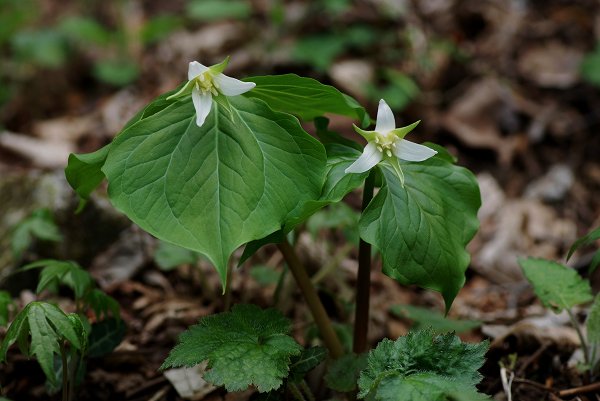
(535, 384)
(588, 388)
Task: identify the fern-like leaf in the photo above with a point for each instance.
(245, 347)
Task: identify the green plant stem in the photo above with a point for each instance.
(65, 374)
(296, 392)
(227, 300)
(330, 338)
(584, 346)
(307, 391)
(363, 280)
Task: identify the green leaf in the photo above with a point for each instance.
(39, 225)
(343, 372)
(425, 387)
(444, 358)
(423, 317)
(85, 30)
(56, 272)
(105, 337)
(102, 304)
(45, 48)
(116, 72)
(319, 50)
(168, 256)
(84, 173)
(215, 187)
(593, 322)
(39, 329)
(307, 361)
(422, 229)
(557, 286)
(265, 275)
(159, 27)
(212, 10)
(590, 67)
(6, 303)
(304, 97)
(586, 240)
(245, 347)
(337, 184)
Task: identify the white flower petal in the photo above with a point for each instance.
(202, 104)
(412, 152)
(231, 86)
(370, 157)
(385, 118)
(196, 69)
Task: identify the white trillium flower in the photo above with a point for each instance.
(205, 82)
(387, 143)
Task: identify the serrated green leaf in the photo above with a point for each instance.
(215, 187)
(79, 328)
(307, 361)
(586, 240)
(245, 347)
(6, 303)
(304, 97)
(62, 272)
(593, 322)
(422, 352)
(422, 229)
(343, 372)
(168, 256)
(557, 286)
(39, 329)
(105, 336)
(425, 387)
(423, 317)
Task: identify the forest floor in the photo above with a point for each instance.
(507, 87)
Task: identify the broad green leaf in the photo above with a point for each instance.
(343, 372)
(422, 229)
(558, 287)
(6, 304)
(168, 256)
(265, 275)
(84, 173)
(593, 322)
(56, 272)
(422, 352)
(116, 72)
(39, 225)
(305, 362)
(215, 187)
(85, 30)
(102, 303)
(423, 317)
(425, 387)
(586, 240)
(78, 325)
(105, 337)
(212, 10)
(337, 185)
(245, 347)
(304, 97)
(39, 329)
(159, 27)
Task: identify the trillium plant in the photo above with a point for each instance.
(221, 163)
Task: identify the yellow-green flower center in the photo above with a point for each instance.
(205, 83)
(386, 142)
